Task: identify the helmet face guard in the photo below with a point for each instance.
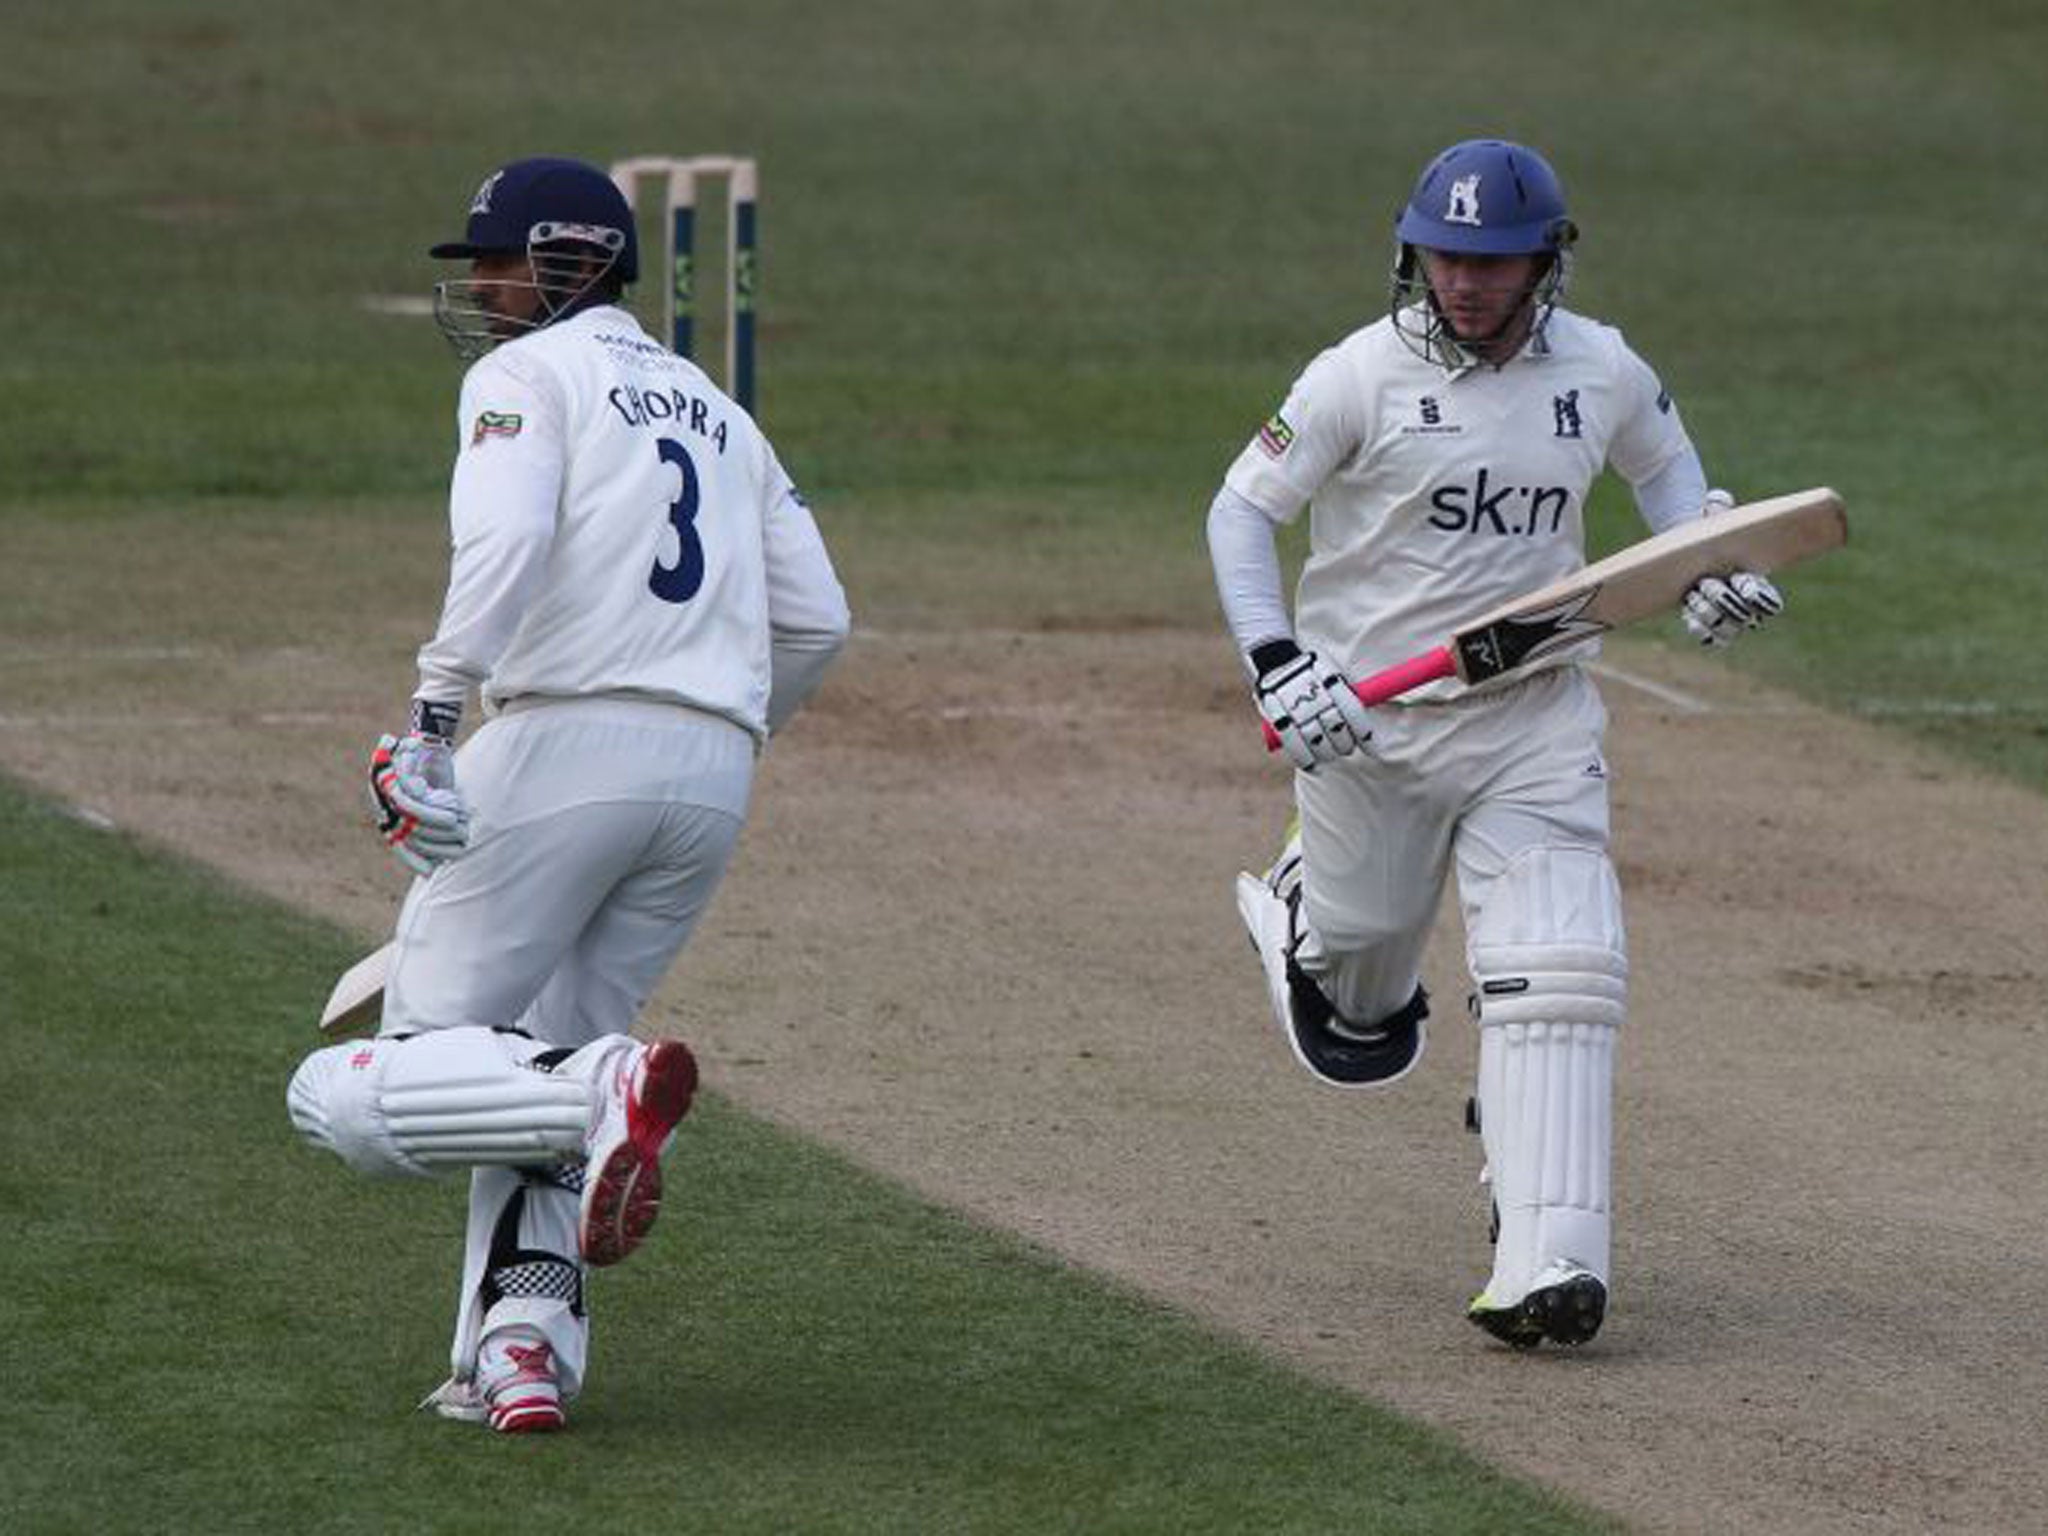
(575, 230)
(1484, 197)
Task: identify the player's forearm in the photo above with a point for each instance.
(1247, 565)
(808, 619)
(1674, 494)
(797, 664)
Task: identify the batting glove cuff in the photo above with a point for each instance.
(437, 719)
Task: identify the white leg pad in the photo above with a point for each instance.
(507, 1278)
(497, 1248)
(1548, 954)
(448, 1098)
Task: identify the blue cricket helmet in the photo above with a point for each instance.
(548, 201)
(1487, 197)
(1484, 197)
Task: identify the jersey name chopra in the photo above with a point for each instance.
(1506, 510)
(661, 407)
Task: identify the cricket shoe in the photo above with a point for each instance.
(1566, 1305)
(515, 1378)
(648, 1093)
(1332, 1048)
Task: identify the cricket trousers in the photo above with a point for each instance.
(1508, 788)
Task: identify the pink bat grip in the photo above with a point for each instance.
(1402, 677)
(1405, 676)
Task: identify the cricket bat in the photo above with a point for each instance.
(1641, 582)
(356, 1006)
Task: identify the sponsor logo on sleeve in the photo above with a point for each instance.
(1275, 436)
(491, 424)
(1664, 402)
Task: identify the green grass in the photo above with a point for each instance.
(216, 1328)
(1036, 273)
(1031, 275)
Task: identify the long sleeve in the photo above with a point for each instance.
(1247, 565)
(808, 617)
(502, 505)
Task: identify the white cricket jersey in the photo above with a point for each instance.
(1434, 496)
(620, 526)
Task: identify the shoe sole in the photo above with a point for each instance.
(531, 1418)
(1566, 1314)
(1336, 1060)
(622, 1195)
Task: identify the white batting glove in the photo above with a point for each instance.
(420, 813)
(1308, 703)
(1718, 609)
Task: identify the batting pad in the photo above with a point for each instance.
(1547, 953)
(450, 1098)
(520, 1267)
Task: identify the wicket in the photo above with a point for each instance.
(742, 185)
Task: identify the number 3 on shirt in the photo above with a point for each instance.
(678, 583)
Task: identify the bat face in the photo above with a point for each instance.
(1521, 638)
(356, 1006)
(1648, 579)
(1640, 582)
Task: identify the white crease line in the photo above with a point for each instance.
(1015, 636)
(397, 304)
(163, 722)
(952, 712)
(1677, 698)
(1944, 708)
(113, 653)
(81, 654)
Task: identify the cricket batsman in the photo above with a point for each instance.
(1444, 453)
(639, 599)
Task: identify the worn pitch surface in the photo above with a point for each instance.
(981, 937)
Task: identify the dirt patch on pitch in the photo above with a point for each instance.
(981, 937)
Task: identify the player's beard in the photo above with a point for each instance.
(475, 316)
(1504, 339)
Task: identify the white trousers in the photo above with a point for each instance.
(600, 829)
(1470, 785)
(1509, 788)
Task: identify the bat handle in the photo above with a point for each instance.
(1406, 676)
(1402, 677)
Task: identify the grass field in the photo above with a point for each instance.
(216, 1329)
(1031, 275)
(1041, 273)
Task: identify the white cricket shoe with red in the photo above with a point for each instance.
(515, 1377)
(649, 1092)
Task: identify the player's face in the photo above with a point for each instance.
(505, 289)
(1482, 298)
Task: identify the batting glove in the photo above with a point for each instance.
(1718, 609)
(420, 813)
(1308, 703)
